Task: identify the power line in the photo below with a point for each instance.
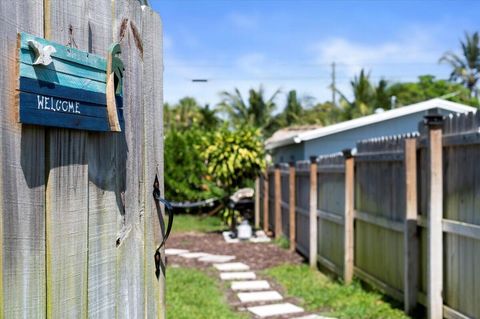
(337, 64)
(306, 78)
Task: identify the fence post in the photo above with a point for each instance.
(410, 239)
(265, 202)
(278, 201)
(313, 212)
(349, 212)
(291, 206)
(435, 216)
(257, 202)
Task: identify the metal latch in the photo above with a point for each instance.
(157, 196)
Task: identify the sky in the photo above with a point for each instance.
(291, 44)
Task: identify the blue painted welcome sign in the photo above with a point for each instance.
(61, 86)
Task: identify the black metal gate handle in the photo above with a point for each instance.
(169, 208)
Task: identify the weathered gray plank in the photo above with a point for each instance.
(104, 204)
(67, 184)
(130, 252)
(22, 178)
(153, 114)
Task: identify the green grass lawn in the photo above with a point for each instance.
(199, 223)
(328, 297)
(193, 294)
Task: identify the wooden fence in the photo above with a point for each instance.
(402, 214)
(78, 224)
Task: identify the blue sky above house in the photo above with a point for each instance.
(290, 44)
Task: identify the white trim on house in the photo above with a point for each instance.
(371, 119)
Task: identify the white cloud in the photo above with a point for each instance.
(414, 47)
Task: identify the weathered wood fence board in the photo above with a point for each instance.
(104, 211)
(130, 276)
(78, 224)
(396, 188)
(22, 175)
(67, 185)
(153, 97)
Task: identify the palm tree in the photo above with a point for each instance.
(367, 97)
(291, 114)
(294, 109)
(209, 117)
(363, 97)
(465, 68)
(188, 112)
(256, 112)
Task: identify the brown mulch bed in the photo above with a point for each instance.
(258, 256)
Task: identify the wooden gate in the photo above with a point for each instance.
(78, 223)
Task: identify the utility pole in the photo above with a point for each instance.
(334, 99)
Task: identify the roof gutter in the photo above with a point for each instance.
(289, 141)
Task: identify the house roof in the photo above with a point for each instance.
(291, 131)
(368, 120)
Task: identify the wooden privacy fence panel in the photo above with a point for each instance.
(330, 212)
(461, 214)
(78, 224)
(380, 211)
(271, 198)
(416, 221)
(261, 192)
(302, 202)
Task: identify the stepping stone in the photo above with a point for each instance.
(260, 240)
(194, 255)
(216, 258)
(275, 310)
(237, 275)
(313, 317)
(231, 266)
(173, 251)
(259, 296)
(250, 285)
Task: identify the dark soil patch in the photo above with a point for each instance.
(258, 256)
